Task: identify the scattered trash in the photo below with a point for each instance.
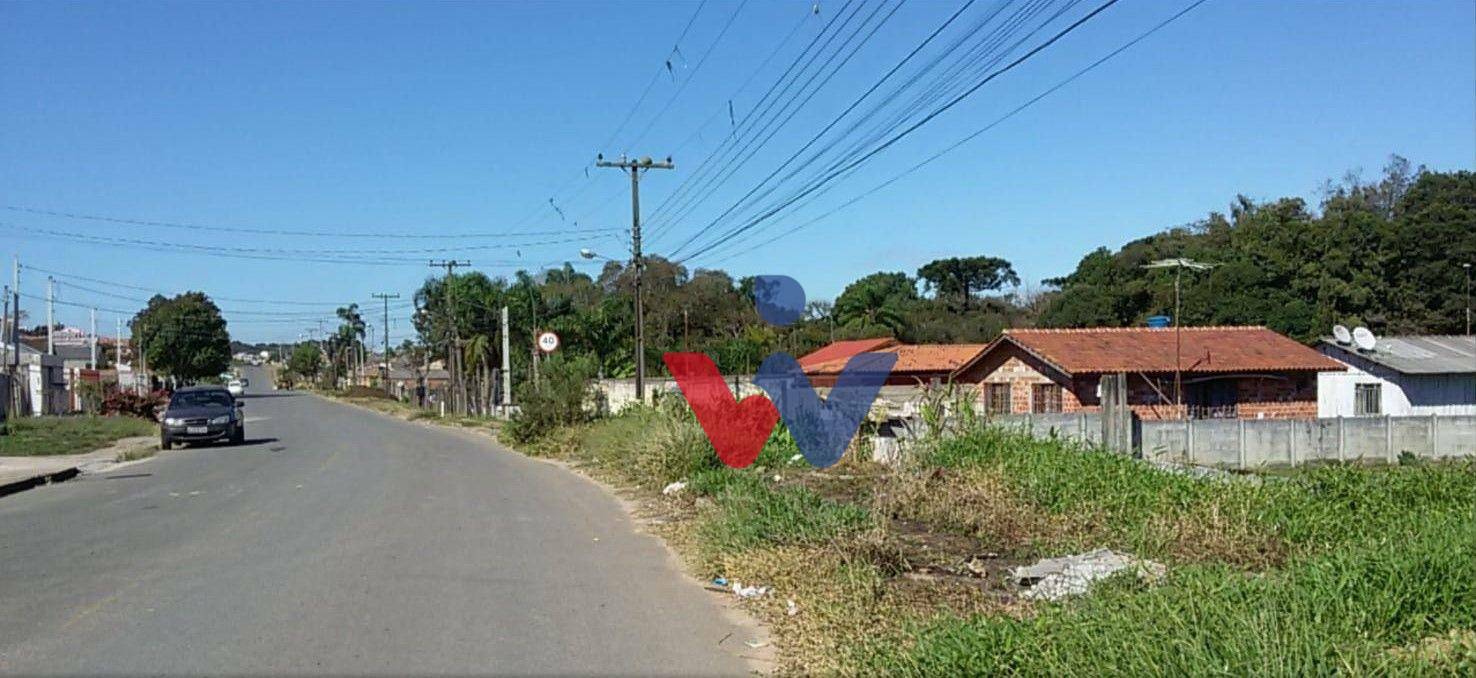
(720, 581)
(749, 592)
(790, 609)
(978, 565)
(596, 538)
(1057, 578)
(674, 488)
(778, 477)
(755, 644)
(796, 458)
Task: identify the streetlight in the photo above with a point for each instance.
(1179, 265)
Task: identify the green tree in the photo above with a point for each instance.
(183, 337)
(306, 361)
(876, 303)
(962, 277)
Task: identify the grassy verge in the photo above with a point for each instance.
(901, 570)
(37, 436)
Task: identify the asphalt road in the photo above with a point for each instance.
(337, 541)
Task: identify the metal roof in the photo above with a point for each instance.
(1418, 354)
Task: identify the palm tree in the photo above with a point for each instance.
(476, 359)
(869, 306)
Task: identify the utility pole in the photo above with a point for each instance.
(1467, 266)
(92, 314)
(385, 373)
(634, 168)
(453, 352)
(1179, 264)
(50, 314)
(118, 346)
(506, 364)
(5, 352)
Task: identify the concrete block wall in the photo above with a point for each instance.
(1251, 443)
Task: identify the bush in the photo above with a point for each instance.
(366, 392)
(132, 404)
(558, 398)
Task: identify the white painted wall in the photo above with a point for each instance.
(1400, 394)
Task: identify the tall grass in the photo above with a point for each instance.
(1333, 570)
(1327, 571)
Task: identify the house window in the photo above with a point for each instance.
(1366, 400)
(997, 398)
(1045, 398)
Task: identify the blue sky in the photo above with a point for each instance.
(456, 118)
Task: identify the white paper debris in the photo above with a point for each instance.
(1057, 578)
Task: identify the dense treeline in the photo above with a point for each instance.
(1385, 253)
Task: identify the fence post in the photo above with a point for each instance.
(1340, 438)
(1189, 440)
(1389, 440)
(1434, 436)
(1240, 444)
(1291, 442)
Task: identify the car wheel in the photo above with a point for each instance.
(165, 443)
(239, 436)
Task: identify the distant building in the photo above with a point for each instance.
(1409, 375)
(1226, 372)
(917, 364)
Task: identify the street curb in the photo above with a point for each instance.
(37, 481)
(68, 473)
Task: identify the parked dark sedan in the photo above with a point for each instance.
(198, 414)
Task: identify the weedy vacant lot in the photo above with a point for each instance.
(903, 570)
(35, 436)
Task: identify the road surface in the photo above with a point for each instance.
(337, 541)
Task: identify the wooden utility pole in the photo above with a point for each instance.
(453, 351)
(385, 373)
(634, 168)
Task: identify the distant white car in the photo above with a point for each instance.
(237, 386)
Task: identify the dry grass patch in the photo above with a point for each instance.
(977, 502)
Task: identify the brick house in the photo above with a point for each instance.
(1227, 372)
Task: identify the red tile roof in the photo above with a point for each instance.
(1141, 349)
(842, 350)
(913, 359)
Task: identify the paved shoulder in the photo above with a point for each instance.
(339, 541)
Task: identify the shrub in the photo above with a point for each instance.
(131, 404)
(366, 392)
(558, 398)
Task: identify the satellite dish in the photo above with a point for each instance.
(1342, 335)
(1363, 338)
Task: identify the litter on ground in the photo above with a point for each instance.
(1057, 578)
(674, 488)
(790, 608)
(750, 591)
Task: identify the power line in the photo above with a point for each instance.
(654, 77)
(335, 233)
(979, 58)
(690, 76)
(694, 191)
(815, 185)
(973, 135)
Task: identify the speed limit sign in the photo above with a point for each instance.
(548, 342)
